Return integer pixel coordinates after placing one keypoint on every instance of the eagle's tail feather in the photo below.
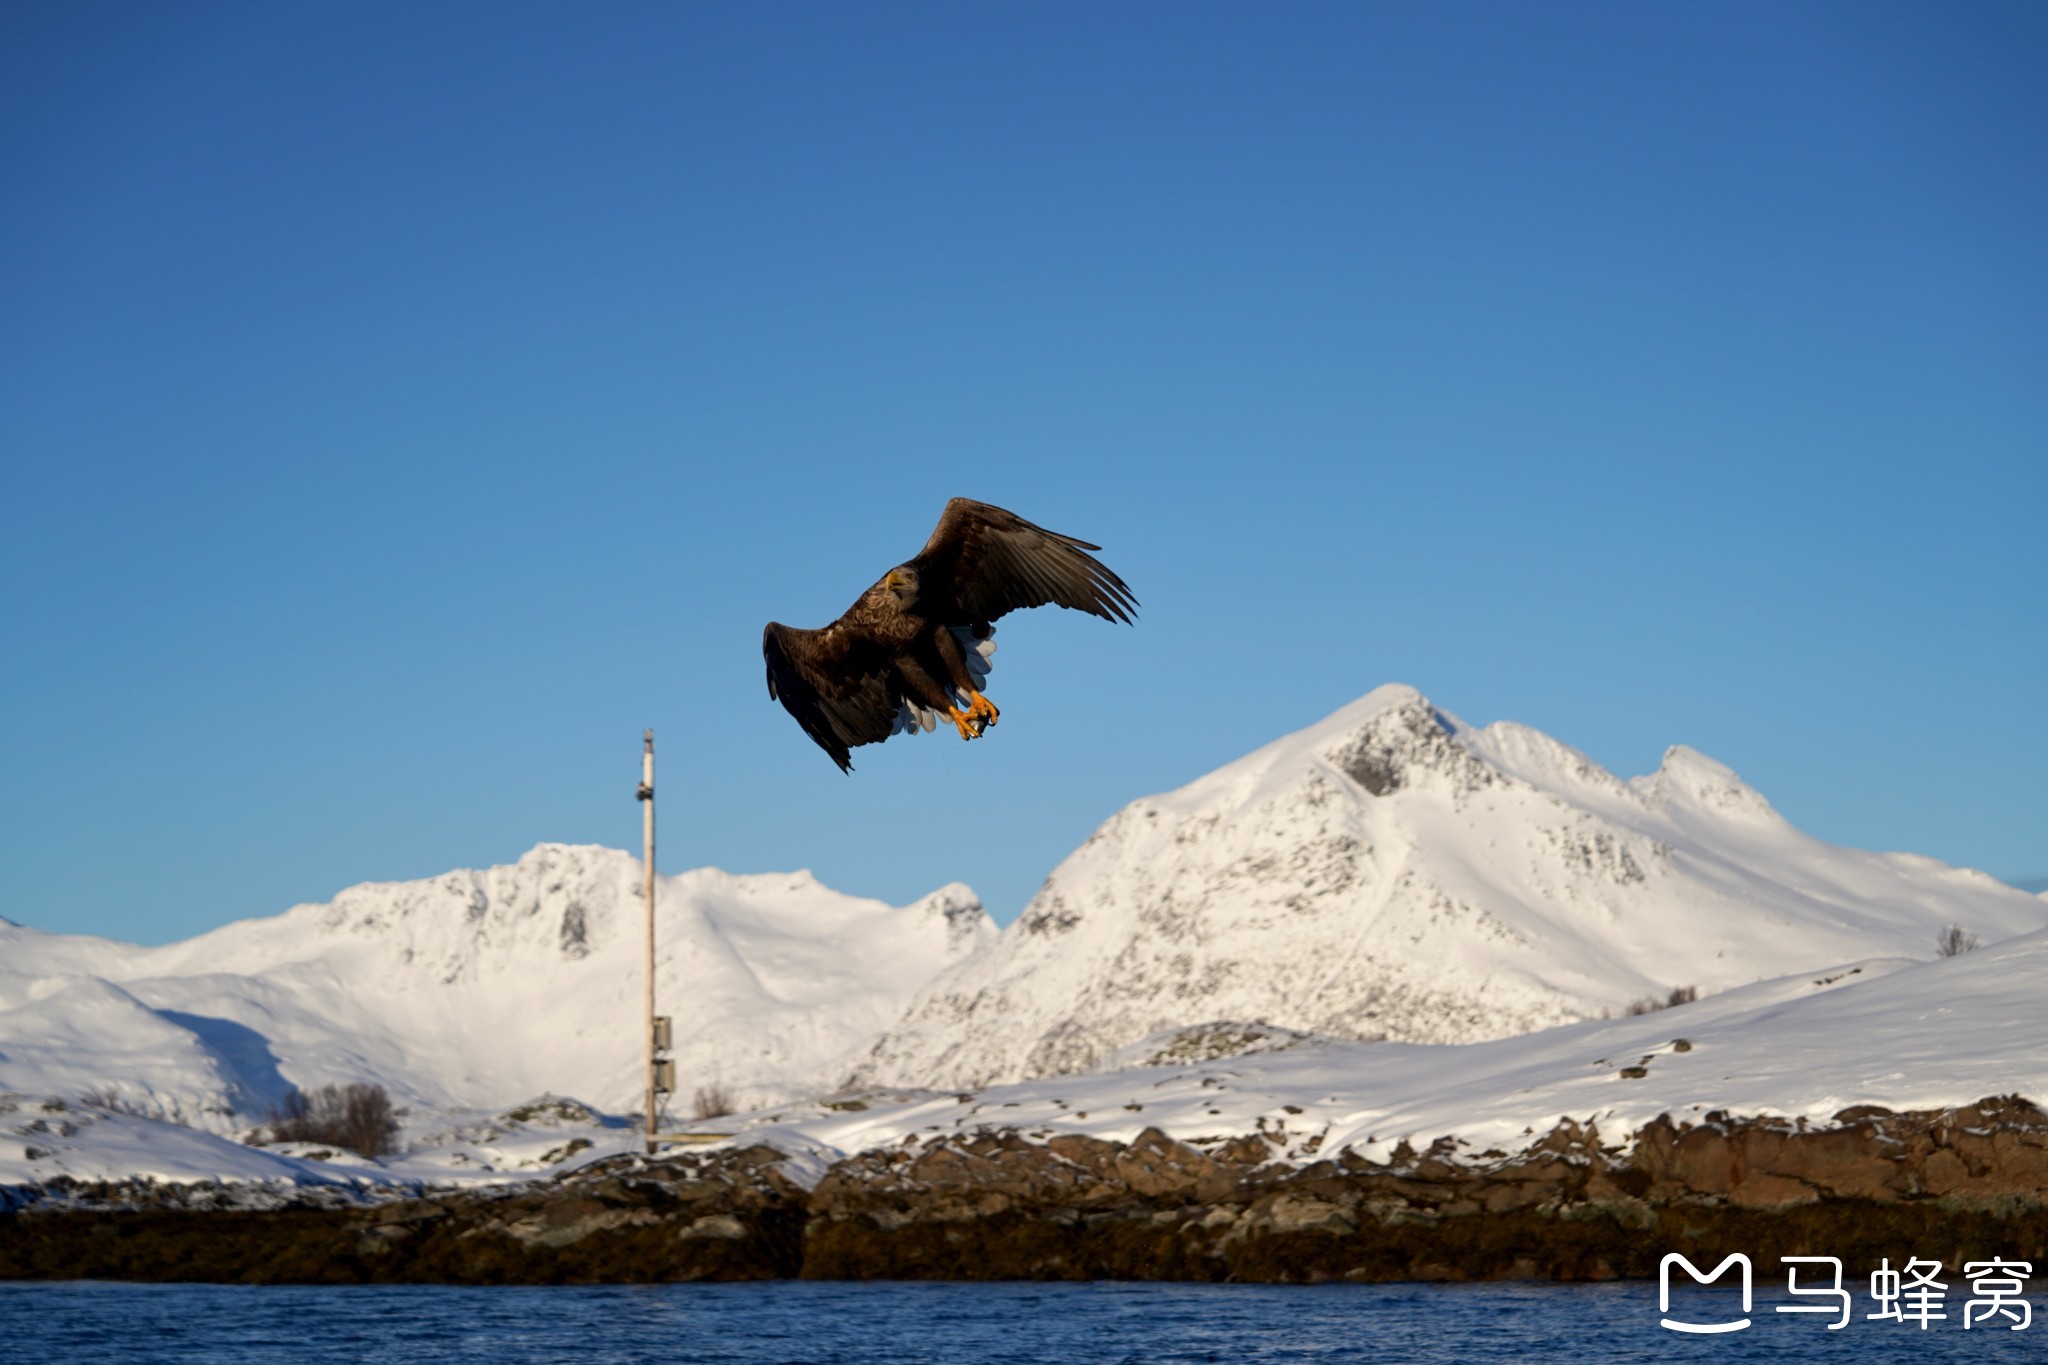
(911, 718)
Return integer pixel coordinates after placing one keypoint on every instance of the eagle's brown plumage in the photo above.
(916, 643)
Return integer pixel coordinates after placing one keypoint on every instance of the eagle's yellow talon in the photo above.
(968, 726)
(984, 710)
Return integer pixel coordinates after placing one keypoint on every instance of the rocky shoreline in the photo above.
(1953, 1185)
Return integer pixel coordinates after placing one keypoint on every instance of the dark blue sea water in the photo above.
(754, 1324)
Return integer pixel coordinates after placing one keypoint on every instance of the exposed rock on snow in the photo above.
(1391, 873)
(1206, 1043)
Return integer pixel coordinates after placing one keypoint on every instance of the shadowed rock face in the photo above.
(1991, 1152)
(1961, 1184)
(711, 1216)
(998, 1206)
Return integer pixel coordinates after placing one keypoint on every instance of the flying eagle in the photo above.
(917, 644)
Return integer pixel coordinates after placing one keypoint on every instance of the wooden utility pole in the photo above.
(647, 867)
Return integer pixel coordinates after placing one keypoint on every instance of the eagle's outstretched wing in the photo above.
(995, 561)
(835, 682)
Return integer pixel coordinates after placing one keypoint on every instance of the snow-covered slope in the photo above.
(477, 989)
(1904, 1035)
(1392, 873)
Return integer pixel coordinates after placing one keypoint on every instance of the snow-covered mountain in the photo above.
(1391, 873)
(478, 989)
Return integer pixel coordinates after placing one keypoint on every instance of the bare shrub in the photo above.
(1650, 1004)
(110, 1099)
(711, 1101)
(1954, 940)
(358, 1117)
(291, 1119)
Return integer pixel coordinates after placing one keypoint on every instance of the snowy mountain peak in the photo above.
(1688, 779)
(1409, 744)
(957, 907)
(1392, 872)
(1379, 735)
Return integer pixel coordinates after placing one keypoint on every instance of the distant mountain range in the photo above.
(479, 989)
(1389, 873)
(1393, 873)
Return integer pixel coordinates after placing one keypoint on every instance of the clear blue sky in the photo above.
(403, 405)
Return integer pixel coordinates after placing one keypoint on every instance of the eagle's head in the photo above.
(900, 583)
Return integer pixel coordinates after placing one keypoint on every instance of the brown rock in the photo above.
(1158, 1166)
